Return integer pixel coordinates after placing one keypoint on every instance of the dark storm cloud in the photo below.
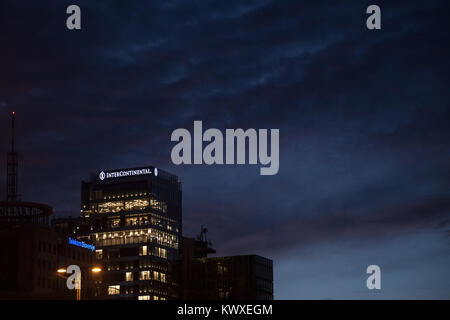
(363, 115)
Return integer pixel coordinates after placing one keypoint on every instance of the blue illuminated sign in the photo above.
(81, 244)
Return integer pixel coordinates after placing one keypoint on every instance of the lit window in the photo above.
(111, 206)
(143, 251)
(128, 276)
(112, 290)
(137, 204)
(158, 205)
(160, 252)
(144, 298)
(131, 221)
(144, 275)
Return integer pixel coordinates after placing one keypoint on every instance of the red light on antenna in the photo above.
(13, 113)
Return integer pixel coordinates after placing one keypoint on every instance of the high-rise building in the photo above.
(133, 217)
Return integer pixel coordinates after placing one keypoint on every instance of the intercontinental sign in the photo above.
(126, 173)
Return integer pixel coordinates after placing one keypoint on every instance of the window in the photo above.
(144, 298)
(129, 290)
(128, 276)
(160, 252)
(158, 205)
(112, 290)
(112, 206)
(138, 204)
(114, 223)
(131, 222)
(144, 275)
(143, 251)
(99, 254)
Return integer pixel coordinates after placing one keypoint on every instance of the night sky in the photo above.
(363, 116)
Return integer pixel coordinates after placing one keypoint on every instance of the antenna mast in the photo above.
(11, 169)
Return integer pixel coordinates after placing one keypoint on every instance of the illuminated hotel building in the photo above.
(133, 217)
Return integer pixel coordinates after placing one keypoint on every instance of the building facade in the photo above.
(133, 217)
(31, 254)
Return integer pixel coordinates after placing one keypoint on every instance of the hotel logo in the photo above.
(126, 173)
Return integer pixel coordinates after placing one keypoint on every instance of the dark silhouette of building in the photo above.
(234, 277)
(31, 255)
(29, 262)
(30, 251)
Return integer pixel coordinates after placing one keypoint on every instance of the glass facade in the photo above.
(135, 224)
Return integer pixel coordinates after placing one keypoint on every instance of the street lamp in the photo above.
(78, 279)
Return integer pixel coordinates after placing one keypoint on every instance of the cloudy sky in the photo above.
(363, 116)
